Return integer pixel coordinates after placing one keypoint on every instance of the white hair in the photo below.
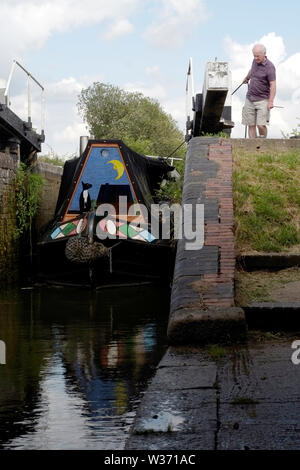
(261, 47)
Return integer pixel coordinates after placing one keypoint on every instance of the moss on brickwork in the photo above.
(28, 191)
(9, 246)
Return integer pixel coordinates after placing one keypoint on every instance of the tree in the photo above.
(112, 113)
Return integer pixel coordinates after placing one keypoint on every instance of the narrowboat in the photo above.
(108, 227)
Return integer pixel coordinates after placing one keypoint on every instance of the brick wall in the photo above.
(220, 233)
(202, 300)
(8, 249)
(8, 165)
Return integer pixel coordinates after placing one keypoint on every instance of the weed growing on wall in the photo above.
(28, 190)
(171, 191)
(28, 187)
(19, 205)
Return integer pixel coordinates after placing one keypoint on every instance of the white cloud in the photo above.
(288, 77)
(63, 123)
(288, 83)
(28, 24)
(119, 28)
(296, 97)
(66, 89)
(68, 137)
(64, 126)
(153, 72)
(156, 91)
(275, 47)
(176, 21)
(176, 107)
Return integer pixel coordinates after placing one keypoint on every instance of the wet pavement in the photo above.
(243, 397)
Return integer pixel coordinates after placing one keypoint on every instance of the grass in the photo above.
(52, 159)
(266, 201)
(258, 285)
(171, 192)
(217, 352)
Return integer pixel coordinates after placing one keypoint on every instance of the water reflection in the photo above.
(76, 362)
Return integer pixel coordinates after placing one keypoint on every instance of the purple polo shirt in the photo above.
(261, 76)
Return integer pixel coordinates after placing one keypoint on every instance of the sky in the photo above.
(145, 46)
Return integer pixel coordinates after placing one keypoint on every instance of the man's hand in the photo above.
(247, 78)
(272, 94)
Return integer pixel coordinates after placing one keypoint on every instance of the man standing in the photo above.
(261, 92)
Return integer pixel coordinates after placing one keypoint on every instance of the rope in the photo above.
(172, 153)
(79, 250)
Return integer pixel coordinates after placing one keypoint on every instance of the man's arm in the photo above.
(248, 76)
(272, 94)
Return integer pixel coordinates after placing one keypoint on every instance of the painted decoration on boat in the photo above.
(123, 229)
(75, 227)
(107, 193)
(104, 178)
(118, 229)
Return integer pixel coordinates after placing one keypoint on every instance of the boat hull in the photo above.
(126, 261)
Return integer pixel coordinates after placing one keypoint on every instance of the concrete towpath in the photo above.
(223, 398)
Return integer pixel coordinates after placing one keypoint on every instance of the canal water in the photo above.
(77, 363)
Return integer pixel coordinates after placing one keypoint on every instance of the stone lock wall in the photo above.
(202, 300)
(8, 245)
(52, 177)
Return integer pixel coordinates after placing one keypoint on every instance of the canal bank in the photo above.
(235, 388)
(203, 307)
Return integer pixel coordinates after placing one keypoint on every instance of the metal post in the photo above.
(29, 99)
(189, 95)
(83, 143)
(6, 96)
(43, 111)
(29, 77)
